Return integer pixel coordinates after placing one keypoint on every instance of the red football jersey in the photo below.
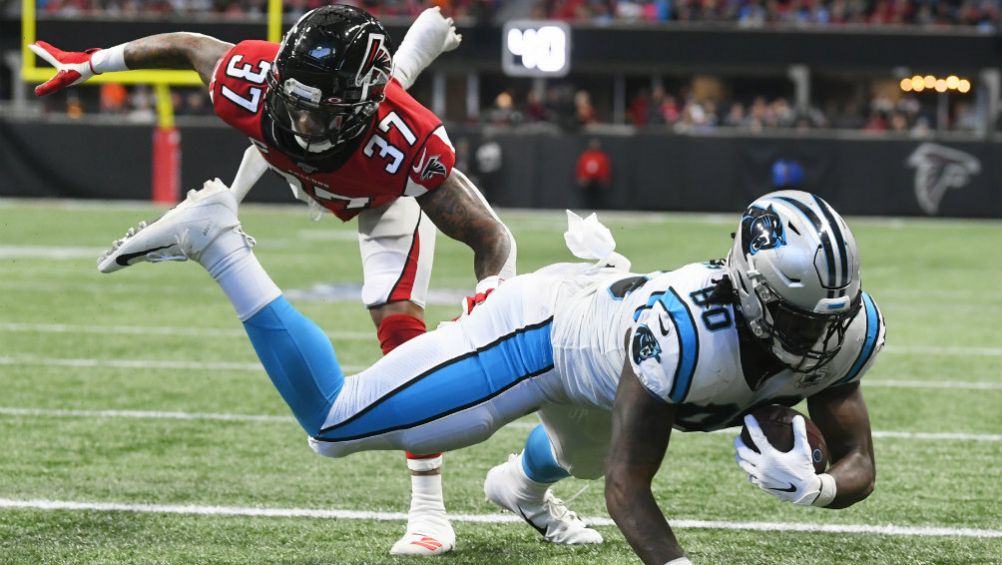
(405, 152)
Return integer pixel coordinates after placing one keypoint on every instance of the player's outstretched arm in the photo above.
(429, 36)
(641, 427)
(459, 210)
(841, 415)
(182, 50)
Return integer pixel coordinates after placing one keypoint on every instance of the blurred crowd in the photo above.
(239, 8)
(136, 104)
(681, 112)
(562, 105)
(983, 14)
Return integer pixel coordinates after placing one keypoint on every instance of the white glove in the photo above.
(429, 36)
(788, 475)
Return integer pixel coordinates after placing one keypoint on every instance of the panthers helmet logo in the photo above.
(645, 346)
(762, 229)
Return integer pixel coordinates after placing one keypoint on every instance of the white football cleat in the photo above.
(547, 515)
(427, 534)
(421, 545)
(180, 234)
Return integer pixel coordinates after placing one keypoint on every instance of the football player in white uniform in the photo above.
(611, 361)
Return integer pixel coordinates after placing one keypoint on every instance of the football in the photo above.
(777, 424)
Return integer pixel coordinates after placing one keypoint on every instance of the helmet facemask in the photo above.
(318, 125)
(805, 341)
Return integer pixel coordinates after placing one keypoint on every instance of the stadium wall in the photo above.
(651, 170)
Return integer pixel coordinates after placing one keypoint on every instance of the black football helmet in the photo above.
(327, 80)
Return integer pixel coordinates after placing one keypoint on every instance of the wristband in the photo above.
(109, 60)
(489, 283)
(828, 490)
(679, 561)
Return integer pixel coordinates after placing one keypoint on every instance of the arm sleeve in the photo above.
(664, 347)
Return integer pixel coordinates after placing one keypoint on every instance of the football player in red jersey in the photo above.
(328, 111)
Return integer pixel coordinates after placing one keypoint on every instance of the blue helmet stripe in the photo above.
(823, 234)
(869, 343)
(839, 239)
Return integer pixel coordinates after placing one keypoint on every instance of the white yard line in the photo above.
(49, 252)
(953, 385)
(16, 327)
(143, 364)
(226, 417)
(159, 330)
(889, 530)
(351, 369)
(934, 350)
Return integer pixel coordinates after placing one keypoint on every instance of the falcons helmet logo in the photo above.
(937, 170)
(377, 61)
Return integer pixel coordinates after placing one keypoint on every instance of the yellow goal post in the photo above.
(162, 80)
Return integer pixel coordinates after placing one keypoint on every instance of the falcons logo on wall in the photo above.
(938, 169)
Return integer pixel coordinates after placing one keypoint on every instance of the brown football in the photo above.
(777, 424)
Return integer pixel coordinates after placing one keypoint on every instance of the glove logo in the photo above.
(790, 488)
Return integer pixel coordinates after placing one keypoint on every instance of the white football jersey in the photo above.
(685, 350)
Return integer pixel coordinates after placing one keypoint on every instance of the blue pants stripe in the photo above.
(457, 384)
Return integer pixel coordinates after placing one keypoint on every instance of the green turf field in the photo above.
(136, 426)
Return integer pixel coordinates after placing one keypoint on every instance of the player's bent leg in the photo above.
(397, 246)
(522, 486)
(428, 530)
(297, 355)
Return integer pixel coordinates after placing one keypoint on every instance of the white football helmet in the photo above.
(795, 268)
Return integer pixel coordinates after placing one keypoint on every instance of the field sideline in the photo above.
(137, 426)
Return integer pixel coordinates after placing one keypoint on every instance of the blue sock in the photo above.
(538, 461)
(299, 359)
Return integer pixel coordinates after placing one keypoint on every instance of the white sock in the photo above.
(231, 262)
(528, 488)
(426, 493)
